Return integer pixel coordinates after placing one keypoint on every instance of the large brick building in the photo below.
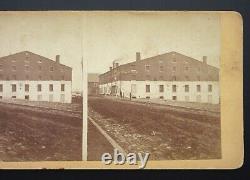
(171, 76)
(29, 76)
(93, 83)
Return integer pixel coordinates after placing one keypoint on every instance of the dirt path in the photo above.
(27, 134)
(166, 133)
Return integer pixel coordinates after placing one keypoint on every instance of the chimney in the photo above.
(138, 56)
(58, 59)
(110, 68)
(204, 58)
(116, 65)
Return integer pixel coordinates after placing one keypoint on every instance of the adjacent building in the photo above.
(169, 76)
(26, 75)
(93, 84)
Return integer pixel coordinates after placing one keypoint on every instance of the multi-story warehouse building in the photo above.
(29, 76)
(170, 76)
(93, 83)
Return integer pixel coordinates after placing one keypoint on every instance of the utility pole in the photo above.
(84, 110)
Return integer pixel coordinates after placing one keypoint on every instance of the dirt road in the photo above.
(164, 132)
(39, 134)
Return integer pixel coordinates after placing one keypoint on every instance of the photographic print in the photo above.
(40, 87)
(153, 84)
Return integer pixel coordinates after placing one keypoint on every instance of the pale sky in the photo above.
(119, 35)
(101, 37)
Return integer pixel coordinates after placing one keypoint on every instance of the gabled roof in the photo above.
(33, 54)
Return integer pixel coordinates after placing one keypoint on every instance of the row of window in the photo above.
(27, 77)
(174, 78)
(40, 97)
(187, 98)
(161, 68)
(27, 68)
(27, 87)
(174, 88)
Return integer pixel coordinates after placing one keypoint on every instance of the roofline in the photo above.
(36, 55)
(159, 56)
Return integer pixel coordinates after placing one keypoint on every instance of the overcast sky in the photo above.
(110, 36)
(101, 37)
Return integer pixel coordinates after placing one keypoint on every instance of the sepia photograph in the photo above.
(121, 89)
(40, 87)
(153, 85)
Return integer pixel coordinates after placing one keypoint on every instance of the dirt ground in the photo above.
(97, 144)
(37, 134)
(164, 132)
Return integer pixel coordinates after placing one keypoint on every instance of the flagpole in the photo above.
(85, 111)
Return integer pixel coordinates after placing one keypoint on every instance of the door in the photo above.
(133, 89)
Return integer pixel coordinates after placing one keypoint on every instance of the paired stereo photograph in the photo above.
(121, 89)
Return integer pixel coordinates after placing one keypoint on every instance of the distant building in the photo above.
(93, 84)
(170, 76)
(29, 76)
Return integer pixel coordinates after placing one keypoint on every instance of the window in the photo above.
(187, 78)
(186, 68)
(161, 88)
(51, 97)
(210, 88)
(27, 87)
(174, 78)
(13, 87)
(1, 97)
(51, 68)
(1, 88)
(51, 87)
(14, 77)
(39, 61)
(39, 87)
(174, 68)
(198, 98)
(13, 97)
(161, 68)
(174, 88)
(27, 77)
(1, 76)
(174, 98)
(147, 88)
(186, 88)
(62, 87)
(1, 67)
(133, 67)
(161, 97)
(174, 60)
(40, 68)
(161, 78)
(62, 98)
(26, 97)
(147, 67)
(13, 68)
(39, 97)
(198, 88)
(147, 77)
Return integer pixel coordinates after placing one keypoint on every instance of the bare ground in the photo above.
(37, 134)
(163, 131)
